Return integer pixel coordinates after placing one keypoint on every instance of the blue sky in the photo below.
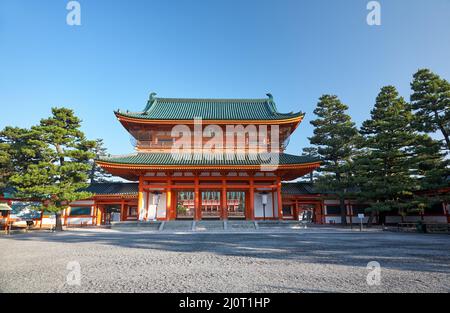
(297, 50)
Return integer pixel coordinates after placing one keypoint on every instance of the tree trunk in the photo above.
(58, 226)
(382, 216)
(343, 211)
(371, 217)
(443, 130)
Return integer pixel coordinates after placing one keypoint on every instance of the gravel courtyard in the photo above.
(311, 260)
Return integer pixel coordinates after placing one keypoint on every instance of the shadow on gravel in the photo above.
(396, 251)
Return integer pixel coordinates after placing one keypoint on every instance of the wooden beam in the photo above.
(206, 186)
(218, 178)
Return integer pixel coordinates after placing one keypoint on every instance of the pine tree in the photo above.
(5, 164)
(385, 171)
(20, 147)
(431, 166)
(335, 136)
(310, 152)
(96, 174)
(58, 175)
(431, 103)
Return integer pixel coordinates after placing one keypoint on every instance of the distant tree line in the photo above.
(393, 156)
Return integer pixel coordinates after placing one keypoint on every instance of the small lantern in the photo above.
(264, 203)
(264, 198)
(156, 198)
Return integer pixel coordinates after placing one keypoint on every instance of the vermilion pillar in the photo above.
(169, 204)
(251, 209)
(318, 212)
(140, 197)
(197, 207)
(280, 203)
(224, 200)
(123, 213)
(99, 215)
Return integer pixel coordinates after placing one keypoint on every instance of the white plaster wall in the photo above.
(393, 219)
(162, 205)
(259, 207)
(48, 220)
(416, 218)
(160, 209)
(78, 220)
(356, 220)
(435, 219)
(412, 218)
(332, 219)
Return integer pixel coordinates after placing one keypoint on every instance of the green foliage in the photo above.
(97, 174)
(431, 167)
(335, 137)
(181, 209)
(394, 158)
(384, 170)
(311, 152)
(50, 160)
(431, 103)
(397, 161)
(5, 164)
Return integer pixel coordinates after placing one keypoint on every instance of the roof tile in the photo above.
(210, 109)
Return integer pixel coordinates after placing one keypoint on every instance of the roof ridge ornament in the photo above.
(150, 102)
(271, 103)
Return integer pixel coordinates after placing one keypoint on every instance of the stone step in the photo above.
(205, 225)
(134, 225)
(279, 224)
(244, 225)
(178, 225)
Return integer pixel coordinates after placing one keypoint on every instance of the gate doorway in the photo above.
(112, 214)
(210, 203)
(236, 204)
(185, 207)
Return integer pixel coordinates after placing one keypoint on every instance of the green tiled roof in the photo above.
(113, 188)
(210, 109)
(157, 159)
(8, 192)
(298, 188)
(304, 188)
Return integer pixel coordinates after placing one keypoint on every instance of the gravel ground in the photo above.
(311, 260)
